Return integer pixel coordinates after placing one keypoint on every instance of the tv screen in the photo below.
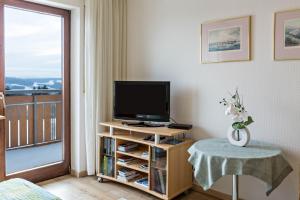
(142, 100)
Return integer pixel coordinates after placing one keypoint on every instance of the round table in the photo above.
(214, 158)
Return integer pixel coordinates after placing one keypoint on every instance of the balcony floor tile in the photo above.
(31, 157)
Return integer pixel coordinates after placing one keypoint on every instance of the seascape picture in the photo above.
(227, 39)
(292, 33)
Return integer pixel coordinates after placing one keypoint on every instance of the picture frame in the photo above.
(227, 40)
(287, 35)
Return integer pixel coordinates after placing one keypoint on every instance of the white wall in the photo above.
(163, 44)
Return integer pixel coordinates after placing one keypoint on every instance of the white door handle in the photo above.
(2, 97)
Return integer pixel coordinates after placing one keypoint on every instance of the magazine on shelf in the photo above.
(142, 182)
(144, 166)
(128, 178)
(126, 160)
(126, 172)
(127, 146)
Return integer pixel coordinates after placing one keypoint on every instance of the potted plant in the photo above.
(238, 134)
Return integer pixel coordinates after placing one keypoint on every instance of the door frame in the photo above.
(56, 169)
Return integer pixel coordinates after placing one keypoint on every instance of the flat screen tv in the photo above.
(142, 100)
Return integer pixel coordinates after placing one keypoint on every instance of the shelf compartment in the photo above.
(135, 153)
(135, 166)
(107, 156)
(108, 146)
(135, 137)
(106, 177)
(108, 166)
(158, 169)
(148, 130)
(141, 174)
(132, 182)
(158, 180)
(158, 158)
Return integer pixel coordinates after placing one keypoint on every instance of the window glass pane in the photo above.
(33, 49)
(33, 79)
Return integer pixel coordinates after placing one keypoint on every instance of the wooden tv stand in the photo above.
(169, 173)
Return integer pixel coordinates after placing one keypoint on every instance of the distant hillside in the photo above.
(13, 83)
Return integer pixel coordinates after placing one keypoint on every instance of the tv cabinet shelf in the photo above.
(134, 166)
(135, 154)
(164, 131)
(168, 172)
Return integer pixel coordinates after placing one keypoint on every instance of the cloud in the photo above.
(49, 51)
(293, 23)
(12, 30)
(33, 44)
(223, 35)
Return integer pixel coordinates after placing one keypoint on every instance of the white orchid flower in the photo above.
(237, 118)
(244, 116)
(235, 109)
(231, 110)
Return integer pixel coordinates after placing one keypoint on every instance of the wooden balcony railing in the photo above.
(34, 119)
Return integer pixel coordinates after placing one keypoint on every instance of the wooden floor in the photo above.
(70, 188)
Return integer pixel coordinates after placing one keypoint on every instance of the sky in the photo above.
(223, 35)
(293, 23)
(33, 46)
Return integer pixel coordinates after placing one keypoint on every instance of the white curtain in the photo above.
(105, 61)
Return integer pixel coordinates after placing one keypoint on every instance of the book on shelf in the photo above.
(159, 174)
(126, 160)
(129, 146)
(160, 163)
(144, 166)
(127, 179)
(108, 146)
(104, 167)
(142, 182)
(108, 166)
(158, 180)
(127, 174)
(162, 180)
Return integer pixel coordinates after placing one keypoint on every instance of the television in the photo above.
(142, 100)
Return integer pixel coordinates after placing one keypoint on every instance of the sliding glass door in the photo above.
(35, 81)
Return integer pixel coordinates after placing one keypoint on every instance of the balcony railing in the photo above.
(33, 117)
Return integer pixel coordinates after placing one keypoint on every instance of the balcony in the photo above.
(33, 129)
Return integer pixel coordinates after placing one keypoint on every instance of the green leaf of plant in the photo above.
(249, 121)
(238, 125)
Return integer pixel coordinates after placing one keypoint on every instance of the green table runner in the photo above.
(214, 158)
